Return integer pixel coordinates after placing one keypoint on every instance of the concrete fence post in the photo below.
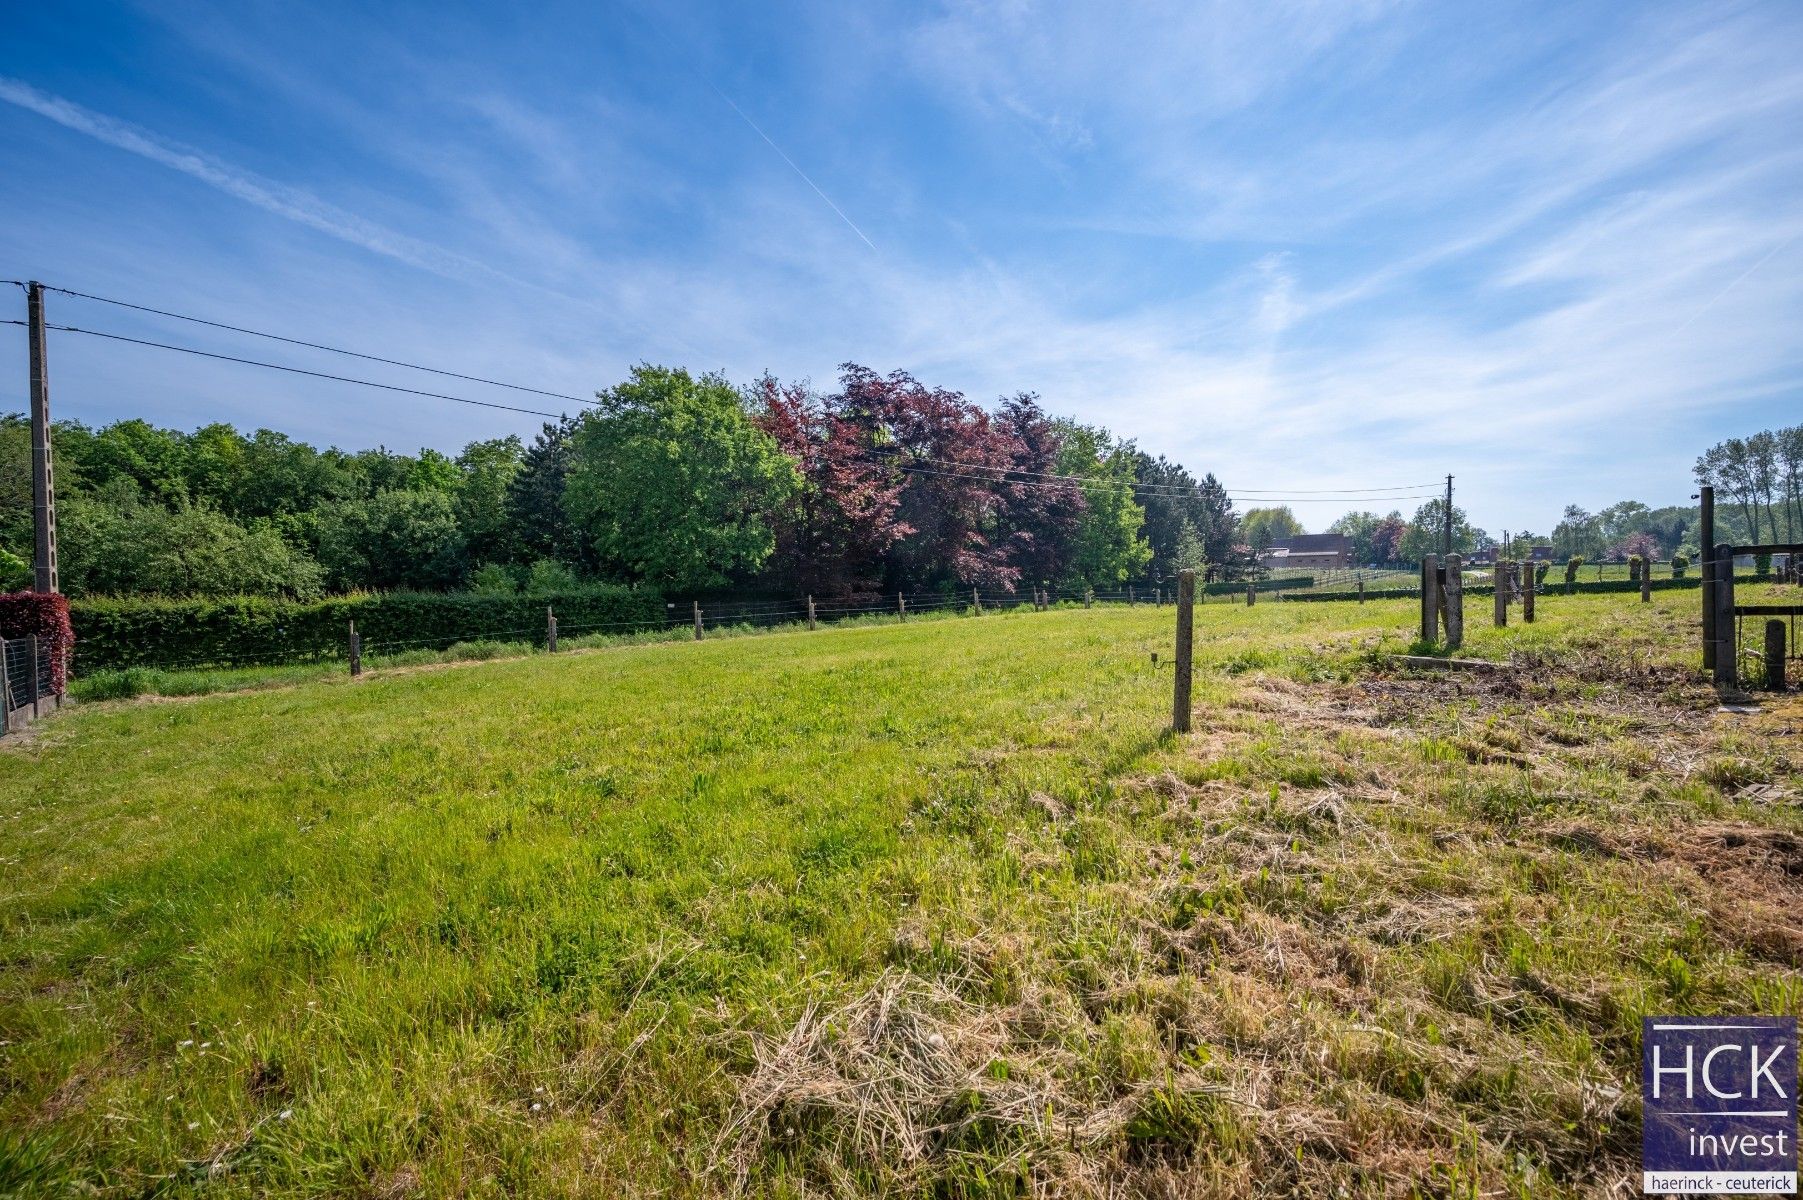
(356, 650)
(901, 607)
(810, 612)
(1452, 601)
(976, 602)
(697, 610)
(1646, 582)
(1500, 575)
(37, 691)
(1528, 589)
(1430, 598)
(1251, 593)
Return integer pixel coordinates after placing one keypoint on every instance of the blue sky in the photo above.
(1551, 248)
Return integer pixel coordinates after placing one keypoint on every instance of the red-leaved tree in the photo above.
(1386, 539)
(832, 534)
(956, 465)
(1037, 516)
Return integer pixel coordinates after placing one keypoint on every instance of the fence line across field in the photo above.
(1511, 583)
(678, 615)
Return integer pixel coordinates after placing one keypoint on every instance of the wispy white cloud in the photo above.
(292, 203)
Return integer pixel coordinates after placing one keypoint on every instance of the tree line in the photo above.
(1759, 499)
(672, 481)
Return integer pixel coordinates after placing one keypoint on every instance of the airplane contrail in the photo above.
(792, 166)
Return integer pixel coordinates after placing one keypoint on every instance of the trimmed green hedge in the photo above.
(1237, 587)
(254, 631)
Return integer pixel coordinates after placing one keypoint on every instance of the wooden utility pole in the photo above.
(43, 473)
(1186, 625)
(1706, 528)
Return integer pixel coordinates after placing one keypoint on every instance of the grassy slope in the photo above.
(892, 907)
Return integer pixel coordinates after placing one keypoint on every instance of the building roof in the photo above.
(1313, 543)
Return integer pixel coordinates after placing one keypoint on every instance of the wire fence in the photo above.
(713, 615)
(681, 618)
(27, 681)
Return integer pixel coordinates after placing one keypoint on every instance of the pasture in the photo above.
(934, 908)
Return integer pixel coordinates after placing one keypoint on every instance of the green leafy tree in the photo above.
(1191, 553)
(541, 525)
(548, 577)
(1108, 546)
(283, 477)
(1173, 497)
(16, 533)
(1261, 527)
(1361, 531)
(672, 481)
(393, 540)
(15, 572)
(485, 475)
(1426, 533)
(433, 471)
(493, 579)
(115, 542)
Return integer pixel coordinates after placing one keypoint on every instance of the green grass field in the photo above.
(925, 909)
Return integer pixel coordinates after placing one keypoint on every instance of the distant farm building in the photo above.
(1314, 551)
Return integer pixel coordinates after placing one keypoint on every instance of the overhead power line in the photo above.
(276, 337)
(251, 362)
(1002, 476)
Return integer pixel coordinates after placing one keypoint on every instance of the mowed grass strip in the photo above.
(933, 907)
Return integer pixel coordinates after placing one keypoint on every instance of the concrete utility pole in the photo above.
(1446, 537)
(43, 479)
